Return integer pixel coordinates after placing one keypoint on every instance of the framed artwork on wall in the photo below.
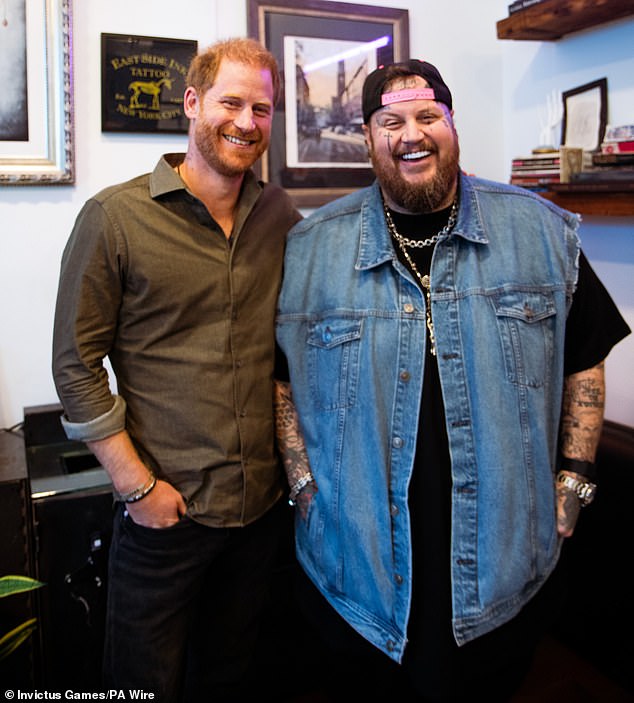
(142, 83)
(324, 51)
(585, 115)
(36, 100)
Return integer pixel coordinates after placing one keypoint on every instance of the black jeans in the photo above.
(489, 669)
(183, 607)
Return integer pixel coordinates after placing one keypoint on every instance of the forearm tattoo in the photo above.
(582, 413)
(568, 507)
(288, 434)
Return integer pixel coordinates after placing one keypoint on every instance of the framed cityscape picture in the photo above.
(324, 51)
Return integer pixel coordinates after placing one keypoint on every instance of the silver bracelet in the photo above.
(297, 487)
(138, 492)
(144, 492)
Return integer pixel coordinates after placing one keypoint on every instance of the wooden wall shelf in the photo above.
(552, 19)
(594, 200)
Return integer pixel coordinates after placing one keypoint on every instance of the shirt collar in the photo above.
(375, 246)
(469, 224)
(164, 179)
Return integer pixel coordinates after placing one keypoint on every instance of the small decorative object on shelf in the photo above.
(571, 163)
(550, 121)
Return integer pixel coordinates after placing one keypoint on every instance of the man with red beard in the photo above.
(445, 340)
(174, 277)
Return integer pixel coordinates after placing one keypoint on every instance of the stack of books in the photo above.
(618, 140)
(615, 162)
(537, 171)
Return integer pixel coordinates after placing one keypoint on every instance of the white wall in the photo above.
(531, 71)
(499, 88)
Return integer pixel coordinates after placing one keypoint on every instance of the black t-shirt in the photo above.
(434, 661)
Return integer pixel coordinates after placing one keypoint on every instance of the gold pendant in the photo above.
(425, 280)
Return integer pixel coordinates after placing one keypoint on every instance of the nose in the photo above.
(244, 121)
(413, 131)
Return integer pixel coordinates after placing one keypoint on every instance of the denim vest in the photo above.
(351, 321)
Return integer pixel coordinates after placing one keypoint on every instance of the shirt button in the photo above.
(393, 510)
(390, 645)
(408, 307)
(405, 375)
(399, 579)
(397, 442)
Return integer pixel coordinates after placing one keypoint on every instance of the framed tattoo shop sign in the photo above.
(142, 83)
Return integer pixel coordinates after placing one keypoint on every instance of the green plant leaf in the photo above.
(17, 584)
(12, 640)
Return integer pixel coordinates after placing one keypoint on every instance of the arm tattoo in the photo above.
(568, 510)
(290, 442)
(582, 413)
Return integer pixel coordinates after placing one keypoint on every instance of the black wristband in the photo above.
(585, 468)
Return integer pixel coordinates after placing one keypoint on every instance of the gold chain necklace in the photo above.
(404, 242)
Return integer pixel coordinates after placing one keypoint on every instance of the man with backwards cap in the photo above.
(445, 340)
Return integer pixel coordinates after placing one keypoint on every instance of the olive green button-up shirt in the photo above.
(186, 318)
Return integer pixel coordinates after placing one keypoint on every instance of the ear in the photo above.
(366, 135)
(190, 103)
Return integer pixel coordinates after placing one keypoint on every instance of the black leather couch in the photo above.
(596, 618)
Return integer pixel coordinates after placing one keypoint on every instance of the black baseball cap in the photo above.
(375, 83)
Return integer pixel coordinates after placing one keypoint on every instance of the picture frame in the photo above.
(585, 115)
(317, 152)
(143, 82)
(36, 103)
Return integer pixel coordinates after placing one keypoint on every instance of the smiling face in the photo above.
(231, 122)
(414, 150)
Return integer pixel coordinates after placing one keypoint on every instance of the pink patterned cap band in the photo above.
(399, 96)
(374, 98)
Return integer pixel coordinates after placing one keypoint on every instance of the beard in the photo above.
(209, 141)
(417, 197)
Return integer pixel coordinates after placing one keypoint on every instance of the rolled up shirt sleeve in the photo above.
(105, 425)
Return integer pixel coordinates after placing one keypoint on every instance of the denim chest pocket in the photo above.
(333, 362)
(526, 322)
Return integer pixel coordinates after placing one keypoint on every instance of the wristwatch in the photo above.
(584, 489)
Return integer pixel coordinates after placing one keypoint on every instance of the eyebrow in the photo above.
(434, 109)
(264, 102)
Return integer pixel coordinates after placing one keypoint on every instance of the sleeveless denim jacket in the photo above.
(351, 321)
